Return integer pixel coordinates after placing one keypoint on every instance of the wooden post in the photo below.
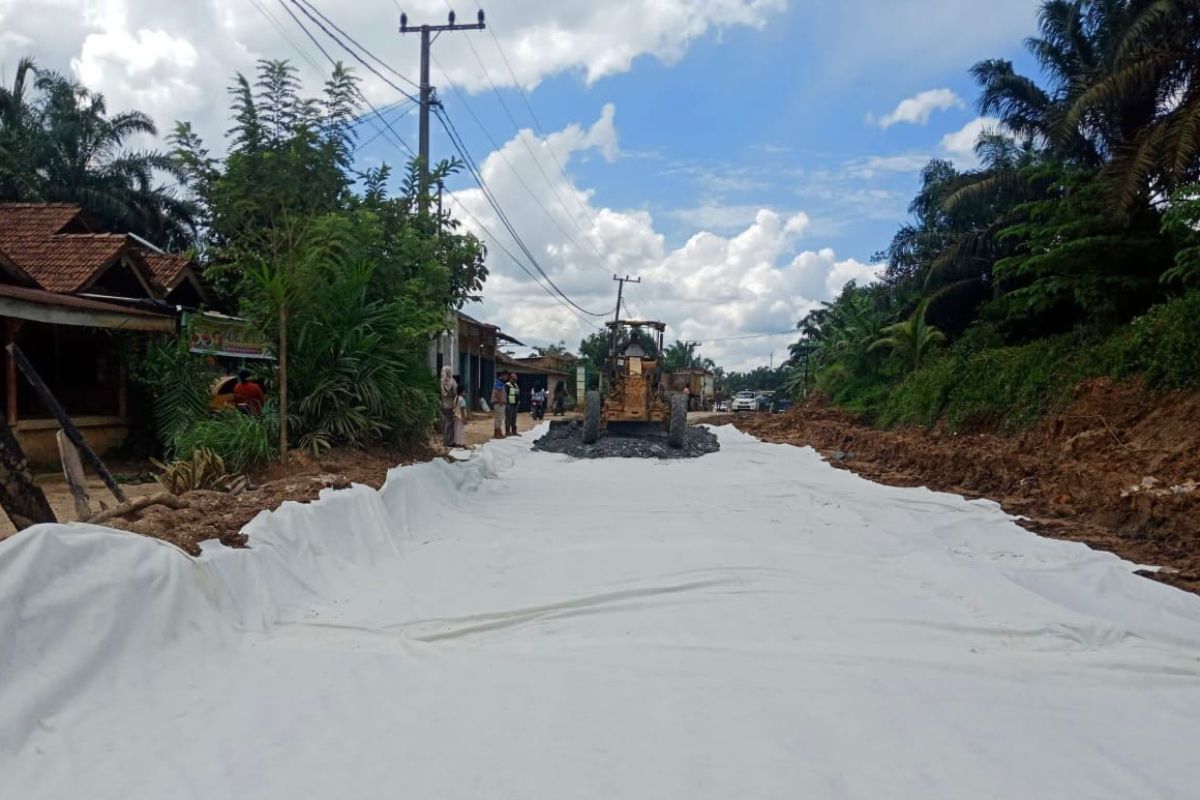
(10, 372)
(68, 427)
(73, 472)
(283, 398)
(22, 499)
(122, 391)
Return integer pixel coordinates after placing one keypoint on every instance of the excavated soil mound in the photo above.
(1118, 469)
(219, 515)
(567, 438)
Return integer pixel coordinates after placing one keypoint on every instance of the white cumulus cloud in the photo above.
(755, 279)
(173, 59)
(959, 145)
(916, 110)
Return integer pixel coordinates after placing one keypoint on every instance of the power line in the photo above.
(792, 332)
(536, 161)
(451, 131)
(382, 130)
(316, 67)
(473, 169)
(588, 212)
(398, 138)
(517, 261)
(305, 7)
(275, 23)
(504, 157)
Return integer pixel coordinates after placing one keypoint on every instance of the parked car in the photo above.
(745, 401)
(780, 403)
(762, 402)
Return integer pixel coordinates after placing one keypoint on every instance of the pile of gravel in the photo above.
(567, 437)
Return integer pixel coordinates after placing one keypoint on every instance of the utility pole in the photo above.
(427, 97)
(612, 348)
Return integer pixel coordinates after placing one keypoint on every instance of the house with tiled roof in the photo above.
(67, 287)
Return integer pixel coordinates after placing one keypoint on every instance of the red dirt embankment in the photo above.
(221, 515)
(1118, 469)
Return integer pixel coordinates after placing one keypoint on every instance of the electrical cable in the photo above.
(397, 137)
(451, 131)
(476, 174)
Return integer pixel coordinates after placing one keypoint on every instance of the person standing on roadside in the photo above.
(514, 403)
(449, 404)
(560, 399)
(500, 405)
(460, 418)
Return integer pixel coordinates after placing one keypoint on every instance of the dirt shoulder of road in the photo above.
(221, 515)
(1118, 469)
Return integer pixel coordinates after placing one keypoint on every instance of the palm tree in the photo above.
(680, 355)
(84, 159)
(18, 133)
(1156, 73)
(62, 146)
(1080, 45)
(912, 340)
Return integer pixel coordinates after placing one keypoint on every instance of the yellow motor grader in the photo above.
(638, 395)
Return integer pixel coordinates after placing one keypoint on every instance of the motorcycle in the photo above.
(537, 409)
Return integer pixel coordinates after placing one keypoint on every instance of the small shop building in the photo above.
(471, 347)
(74, 297)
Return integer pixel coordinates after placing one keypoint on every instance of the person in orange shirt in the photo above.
(248, 394)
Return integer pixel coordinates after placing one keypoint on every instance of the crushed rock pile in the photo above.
(567, 438)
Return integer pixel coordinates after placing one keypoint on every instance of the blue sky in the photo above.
(729, 151)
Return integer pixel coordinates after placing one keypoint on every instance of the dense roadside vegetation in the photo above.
(1072, 251)
(58, 143)
(347, 281)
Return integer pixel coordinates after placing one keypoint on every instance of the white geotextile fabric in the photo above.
(751, 624)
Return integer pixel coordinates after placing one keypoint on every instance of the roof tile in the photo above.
(57, 262)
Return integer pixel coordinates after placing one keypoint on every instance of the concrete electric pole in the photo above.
(612, 348)
(427, 98)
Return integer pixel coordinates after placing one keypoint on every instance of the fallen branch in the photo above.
(161, 499)
(1100, 417)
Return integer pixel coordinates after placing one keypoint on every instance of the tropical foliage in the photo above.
(58, 143)
(348, 282)
(1060, 255)
(684, 355)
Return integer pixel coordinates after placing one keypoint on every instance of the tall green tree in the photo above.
(912, 340)
(348, 281)
(681, 355)
(58, 143)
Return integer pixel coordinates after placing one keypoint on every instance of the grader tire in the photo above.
(591, 418)
(678, 426)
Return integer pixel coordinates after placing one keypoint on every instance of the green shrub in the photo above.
(1013, 387)
(204, 470)
(922, 395)
(242, 441)
(177, 383)
(1165, 344)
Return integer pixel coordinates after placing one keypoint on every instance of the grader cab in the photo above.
(638, 397)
